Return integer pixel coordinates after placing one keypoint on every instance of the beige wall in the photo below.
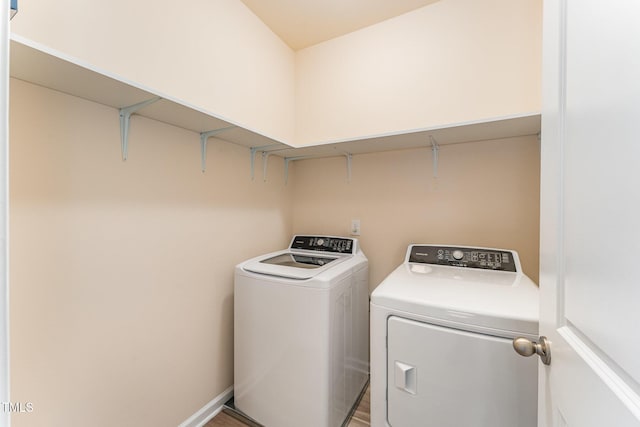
(452, 61)
(203, 52)
(122, 272)
(486, 194)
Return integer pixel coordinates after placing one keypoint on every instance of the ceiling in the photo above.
(303, 23)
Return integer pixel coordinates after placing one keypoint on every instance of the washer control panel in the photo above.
(324, 244)
(482, 258)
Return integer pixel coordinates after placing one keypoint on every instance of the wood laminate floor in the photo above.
(224, 420)
(361, 417)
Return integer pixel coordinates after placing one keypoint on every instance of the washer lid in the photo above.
(293, 265)
(498, 300)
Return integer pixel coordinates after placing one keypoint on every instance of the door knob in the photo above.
(525, 347)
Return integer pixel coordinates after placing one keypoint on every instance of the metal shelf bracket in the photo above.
(434, 155)
(265, 162)
(286, 165)
(125, 118)
(349, 157)
(204, 136)
(254, 150)
(286, 168)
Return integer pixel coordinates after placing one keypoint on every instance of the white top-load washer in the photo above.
(301, 333)
(442, 326)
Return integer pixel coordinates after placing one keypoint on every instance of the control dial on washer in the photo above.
(320, 242)
(458, 254)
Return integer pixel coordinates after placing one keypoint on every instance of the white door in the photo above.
(590, 214)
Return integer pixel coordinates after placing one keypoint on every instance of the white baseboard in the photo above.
(208, 411)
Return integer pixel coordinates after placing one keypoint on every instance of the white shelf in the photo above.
(40, 65)
(496, 128)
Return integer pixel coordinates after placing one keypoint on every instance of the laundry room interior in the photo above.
(122, 271)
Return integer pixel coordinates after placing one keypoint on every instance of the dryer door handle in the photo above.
(406, 377)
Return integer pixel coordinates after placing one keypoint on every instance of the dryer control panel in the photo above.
(455, 256)
(340, 245)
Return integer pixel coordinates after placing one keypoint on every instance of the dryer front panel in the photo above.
(442, 377)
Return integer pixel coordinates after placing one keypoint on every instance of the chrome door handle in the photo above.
(525, 347)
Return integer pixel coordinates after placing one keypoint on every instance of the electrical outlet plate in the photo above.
(355, 227)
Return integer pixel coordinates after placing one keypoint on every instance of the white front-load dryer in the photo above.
(442, 326)
(301, 333)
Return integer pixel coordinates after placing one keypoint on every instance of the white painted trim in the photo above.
(5, 416)
(208, 411)
(612, 380)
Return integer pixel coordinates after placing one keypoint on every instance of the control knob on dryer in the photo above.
(458, 254)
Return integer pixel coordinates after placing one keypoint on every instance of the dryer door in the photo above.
(441, 377)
